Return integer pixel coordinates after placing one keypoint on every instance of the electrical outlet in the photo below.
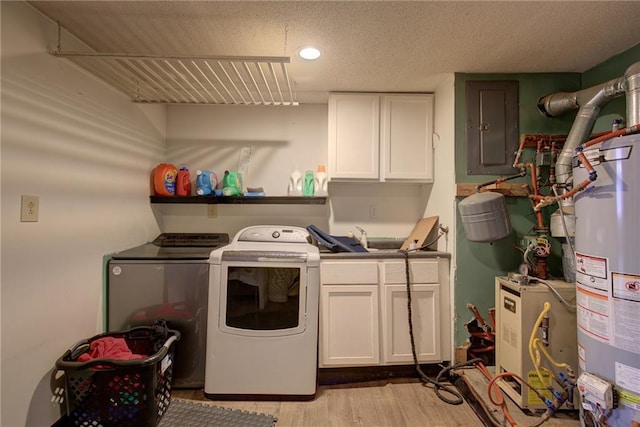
(373, 211)
(29, 206)
(212, 211)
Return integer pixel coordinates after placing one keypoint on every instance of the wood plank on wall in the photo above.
(513, 190)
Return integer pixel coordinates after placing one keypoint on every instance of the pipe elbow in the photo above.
(558, 103)
(632, 81)
(542, 106)
(632, 70)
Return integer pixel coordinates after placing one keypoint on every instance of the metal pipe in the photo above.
(589, 102)
(632, 76)
(522, 173)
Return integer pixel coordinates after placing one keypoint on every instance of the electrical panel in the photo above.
(517, 309)
(491, 126)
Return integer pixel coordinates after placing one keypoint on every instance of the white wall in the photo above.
(86, 151)
(442, 196)
(441, 200)
(281, 138)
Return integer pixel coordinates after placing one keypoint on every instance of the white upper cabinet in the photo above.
(354, 135)
(380, 137)
(406, 146)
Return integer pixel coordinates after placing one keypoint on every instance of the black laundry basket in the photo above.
(123, 393)
(188, 321)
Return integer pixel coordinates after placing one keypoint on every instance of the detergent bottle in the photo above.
(295, 183)
(321, 184)
(206, 182)
(164, 179)
(231, 183)
(308, 188)
(183, 185)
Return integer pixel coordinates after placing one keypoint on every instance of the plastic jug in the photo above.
(183, 185)
(295, 183)
(206, 182)
(321, 182)
(164, 179)
(231, 183)
(308, 187)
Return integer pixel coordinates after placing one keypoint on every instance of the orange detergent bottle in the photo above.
(164, 179)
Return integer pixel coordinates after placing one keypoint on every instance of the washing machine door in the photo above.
(263, 294)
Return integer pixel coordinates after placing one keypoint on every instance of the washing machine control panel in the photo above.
(273, 234)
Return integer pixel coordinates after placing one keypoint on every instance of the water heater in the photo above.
(607, 249)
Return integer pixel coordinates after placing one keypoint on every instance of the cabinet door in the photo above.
(354, 134)
(396, 343)
(349, 325)
(406, 138)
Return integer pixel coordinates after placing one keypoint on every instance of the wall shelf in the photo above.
(239, 200)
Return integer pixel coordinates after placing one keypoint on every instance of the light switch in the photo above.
(29, 208)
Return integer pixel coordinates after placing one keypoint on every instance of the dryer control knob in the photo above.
(275, 234)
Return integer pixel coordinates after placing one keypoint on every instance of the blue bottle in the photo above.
(206, 182)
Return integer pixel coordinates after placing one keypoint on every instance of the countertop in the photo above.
(383, 253)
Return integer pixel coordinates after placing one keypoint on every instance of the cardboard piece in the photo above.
(421, 231)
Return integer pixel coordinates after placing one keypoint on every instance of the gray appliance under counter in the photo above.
(166, 279)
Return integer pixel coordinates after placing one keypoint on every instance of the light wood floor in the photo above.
(397, 403)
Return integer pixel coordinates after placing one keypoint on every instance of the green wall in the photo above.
(477, 264)
(611, 69)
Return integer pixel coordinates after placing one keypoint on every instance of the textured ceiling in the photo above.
(400, 46)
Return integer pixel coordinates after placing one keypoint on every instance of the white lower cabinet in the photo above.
(396, 341)
(349, 311)
(364, 312)
(350, 331)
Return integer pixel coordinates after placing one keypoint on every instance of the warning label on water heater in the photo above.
(607, 303)
(591, 271)
(626, 303)
(593, 313)
(626, 286)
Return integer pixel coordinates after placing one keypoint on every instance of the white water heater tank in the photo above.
(607, 245)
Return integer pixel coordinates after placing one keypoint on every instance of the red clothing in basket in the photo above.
(109, 348)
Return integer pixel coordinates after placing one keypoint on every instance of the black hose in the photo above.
(438, 386)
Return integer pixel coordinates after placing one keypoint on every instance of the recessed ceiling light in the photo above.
(309, 52)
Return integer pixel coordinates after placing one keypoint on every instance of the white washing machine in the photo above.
(262, 335)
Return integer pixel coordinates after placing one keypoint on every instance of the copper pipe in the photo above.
(500, 399)
(516, 161)
(534, 181)
(501, 180)
(609, 135)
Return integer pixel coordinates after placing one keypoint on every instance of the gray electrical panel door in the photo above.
(491, 126)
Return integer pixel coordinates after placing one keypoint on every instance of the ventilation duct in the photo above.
(589, 102)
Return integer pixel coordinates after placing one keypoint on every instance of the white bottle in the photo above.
(321, 182)
(295, 183)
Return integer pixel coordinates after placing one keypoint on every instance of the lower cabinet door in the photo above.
(349, 333)
(425, 308)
